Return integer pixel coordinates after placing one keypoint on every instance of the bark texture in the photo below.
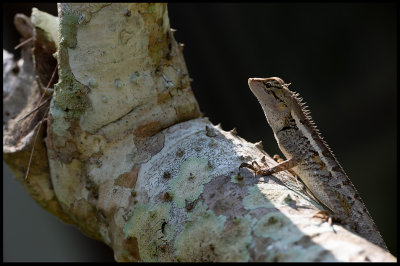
(128, 158)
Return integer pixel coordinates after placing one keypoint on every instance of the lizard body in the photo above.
(309, 156)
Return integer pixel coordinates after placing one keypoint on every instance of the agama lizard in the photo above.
(309, 156)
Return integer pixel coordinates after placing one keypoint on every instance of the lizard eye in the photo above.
(268, 84)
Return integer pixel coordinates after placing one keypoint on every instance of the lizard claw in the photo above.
(326, 217)
(256, 168)
(247, 166)
(323, 215)
(250, 166)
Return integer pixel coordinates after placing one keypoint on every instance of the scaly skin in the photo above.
(309, 156)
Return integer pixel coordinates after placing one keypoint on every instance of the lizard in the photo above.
(310, 157)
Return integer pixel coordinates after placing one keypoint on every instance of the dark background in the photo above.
(340, 57)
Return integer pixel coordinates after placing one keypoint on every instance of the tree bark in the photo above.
(128, 158)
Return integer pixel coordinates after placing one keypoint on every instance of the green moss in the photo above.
(189, 183)
(151, 8)
(149, 225)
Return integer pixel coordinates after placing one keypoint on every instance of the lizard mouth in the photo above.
(255, 80)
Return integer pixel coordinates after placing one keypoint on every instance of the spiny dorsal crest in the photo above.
(310, 122)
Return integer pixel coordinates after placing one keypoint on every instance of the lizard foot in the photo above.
(323, 215)
(257, 168)
(327, 217)
(333, 218)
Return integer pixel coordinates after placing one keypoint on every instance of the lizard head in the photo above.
(275, 98)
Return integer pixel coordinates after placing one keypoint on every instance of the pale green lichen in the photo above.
(198, 210)
(60, 125)
(149, 225)
(68, 29)
(256, 199)
(234, 243)
(270, 224)
(170, 232)
(268, 196)
(198, 240)
(207, 238)
(280, 229)
(69, 94)
(189, 183)
(236, 178)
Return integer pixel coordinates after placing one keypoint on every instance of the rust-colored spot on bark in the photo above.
(128, 179)
(163, 97)
(147, 129)
(131, 250)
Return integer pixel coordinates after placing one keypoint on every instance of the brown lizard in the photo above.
(309, 156)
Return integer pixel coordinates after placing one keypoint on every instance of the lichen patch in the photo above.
(188, 185)
(270, 223)
(257, 196)
(148, 225)
(198, 241)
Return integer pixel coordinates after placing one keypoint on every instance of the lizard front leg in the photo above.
(285, 165)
